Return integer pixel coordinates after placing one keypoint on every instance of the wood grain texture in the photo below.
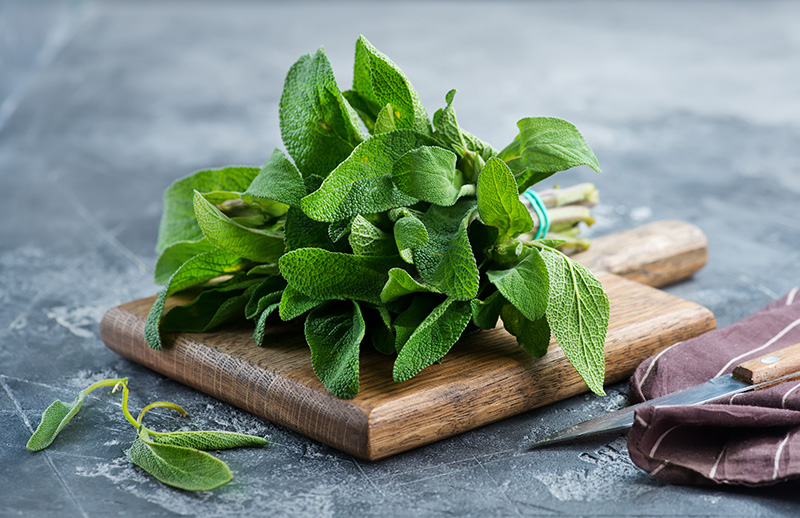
(486, 376)
(657, 254)
(769, 366)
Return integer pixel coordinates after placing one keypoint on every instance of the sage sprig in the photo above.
(385, 226)
(177, 459)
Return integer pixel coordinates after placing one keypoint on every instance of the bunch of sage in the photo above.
(178, 459)
(384, 224)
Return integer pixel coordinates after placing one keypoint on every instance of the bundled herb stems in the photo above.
(385, 227)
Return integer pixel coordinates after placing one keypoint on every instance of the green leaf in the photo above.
(294, 303)
(208, 440)
(327, 275)
(525, 285)
(211, 309)
(429, 173)
(318, 126)
(368, 240)
(383, 338)
(432, 339)
(380, 82)
(278, 180)
(197, 270)
(264, 294)
(54, 419)
(367, 111)
(401, 283)
(338, 229)
(177, 221)
(409, 233)
(264, 269)
(261, 325)
(385, 121)
(451, 136)
(577, 310)
(544, 147)
(176, 254)
(334, 333)
(303, 232)
(226, 234)
(362, 184)
(409, 320)
(446, 260)
(177, 466)
(498, 201)
(486, 312)
(533, 336)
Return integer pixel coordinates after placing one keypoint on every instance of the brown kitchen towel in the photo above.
(750, 439)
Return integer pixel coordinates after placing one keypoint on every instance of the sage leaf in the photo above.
(198, 269)
(294, 303)
(401, 283)
(486, 312)
(448, 133)
(378, 80)
(362, 184)
(178, 222)
(334, 333)
(278, 180)
(577, 311)
(367, 110)
(383, 338)
(432, 339)
(226, 234)
(429, 173)
(525, 285)
(533, 336)
(544, 146)
(318, 126)
(262, 295)
(498, 202)
(207, 312)
(338, 229)
(410, 319)
(178, 466)
(368, 240)
(446, 260)
(336, 275)
(176, 254)
(54, 419)
(207, 440)
(409, 233)
(300, 231)
(385, 121)
(261, 324)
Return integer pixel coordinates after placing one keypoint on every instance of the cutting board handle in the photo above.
(657, 254)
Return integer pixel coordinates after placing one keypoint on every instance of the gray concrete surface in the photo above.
(691, 107)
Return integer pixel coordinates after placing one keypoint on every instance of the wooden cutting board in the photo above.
(486, 376)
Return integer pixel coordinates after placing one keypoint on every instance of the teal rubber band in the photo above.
(541, 213)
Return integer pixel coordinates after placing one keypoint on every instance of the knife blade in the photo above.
(764, 371)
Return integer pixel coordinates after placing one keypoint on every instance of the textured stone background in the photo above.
(692, 109)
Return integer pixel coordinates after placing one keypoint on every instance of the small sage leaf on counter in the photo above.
(54, 419)
(208, 440)
(179, 466)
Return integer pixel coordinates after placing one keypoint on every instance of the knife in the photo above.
(764, 371)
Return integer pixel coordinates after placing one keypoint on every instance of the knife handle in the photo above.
(770, 366)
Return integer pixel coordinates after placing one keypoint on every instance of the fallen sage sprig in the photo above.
(177, 459)
(385, 226)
